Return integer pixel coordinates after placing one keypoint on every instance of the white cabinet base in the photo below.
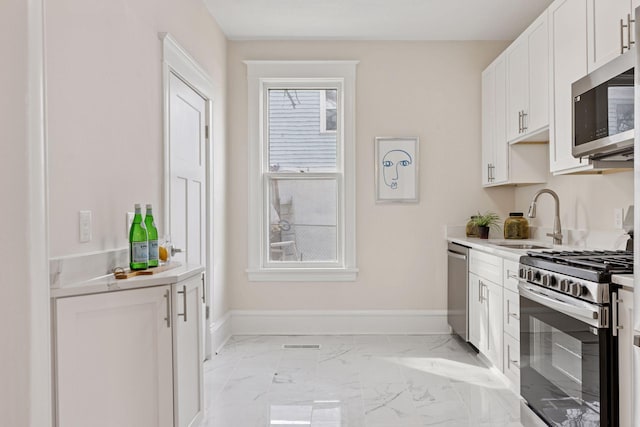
(113, 357)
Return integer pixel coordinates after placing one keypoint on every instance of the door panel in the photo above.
(187, 162)
(113, 358)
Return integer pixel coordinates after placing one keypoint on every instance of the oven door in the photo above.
(567, 359)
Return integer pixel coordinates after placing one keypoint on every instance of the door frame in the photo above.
(178, 61)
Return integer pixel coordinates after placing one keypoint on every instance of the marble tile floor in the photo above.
(354, 381)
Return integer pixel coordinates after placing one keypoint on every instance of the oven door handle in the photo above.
(579, 310)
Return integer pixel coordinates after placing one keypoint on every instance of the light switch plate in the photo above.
(128, 224)
(85, 226)
(618, 215)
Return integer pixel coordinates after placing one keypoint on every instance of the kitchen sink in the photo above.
(521, 246)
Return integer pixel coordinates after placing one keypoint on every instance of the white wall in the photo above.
(104, 104)
(14, 369)
(586, 201)
(425, 89)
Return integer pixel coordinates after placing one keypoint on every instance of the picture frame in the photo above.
(396, 169)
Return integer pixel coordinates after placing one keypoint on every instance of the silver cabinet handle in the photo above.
(184, 302)
(524, 122)
(519, 121)
(167, 295)
(614, 314)
(480, 291)
(622, 46)
(629, 22)
(204, 290)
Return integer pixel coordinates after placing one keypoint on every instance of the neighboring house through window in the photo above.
(302, 188)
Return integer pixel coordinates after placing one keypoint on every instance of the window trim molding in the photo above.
(260, 73)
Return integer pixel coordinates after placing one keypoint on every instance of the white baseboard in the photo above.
(221, 332)
(338, 322)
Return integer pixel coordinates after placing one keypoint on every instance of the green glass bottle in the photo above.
(152, 233)
(138, 243)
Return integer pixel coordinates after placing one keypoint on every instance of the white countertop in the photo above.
(492, 246)
(109, 283)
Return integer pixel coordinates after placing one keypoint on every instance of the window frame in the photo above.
(265, 75)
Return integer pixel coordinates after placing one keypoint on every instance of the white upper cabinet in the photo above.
(608, 30)
(568, 40)
(528, 84)
(494, 141)
(503, 164)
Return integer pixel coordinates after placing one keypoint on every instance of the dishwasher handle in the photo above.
(456, 255)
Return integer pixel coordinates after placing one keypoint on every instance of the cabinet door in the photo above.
(605, 34)
(500, 145)
(494, 331)
(537, 114)
(512, 361)
(518, 84)
(567, 20)
(625, 354)
(488, 122)
(113, 359)
(511, 318)
(475, 310)
(188, 351)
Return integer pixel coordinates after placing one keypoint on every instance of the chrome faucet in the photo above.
(557, 229)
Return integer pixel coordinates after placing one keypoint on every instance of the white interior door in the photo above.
(187, 165)
(187, 201)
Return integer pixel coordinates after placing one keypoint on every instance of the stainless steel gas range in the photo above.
(568, 335)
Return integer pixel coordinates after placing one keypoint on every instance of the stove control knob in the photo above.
(576, 289)
(564, 285)
(546, 280)
(523, 273)
(529, 275)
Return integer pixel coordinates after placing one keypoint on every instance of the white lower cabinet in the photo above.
(625, 355)
(512, 361)
(485, 318)
(188, 351)
(130, 358)
(494, 311)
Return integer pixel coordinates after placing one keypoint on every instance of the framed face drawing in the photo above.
(396, 169)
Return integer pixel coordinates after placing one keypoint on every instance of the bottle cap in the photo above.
(148, 206)
(137, 206)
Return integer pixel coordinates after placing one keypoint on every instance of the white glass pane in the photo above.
(296, 141)
(303, 220)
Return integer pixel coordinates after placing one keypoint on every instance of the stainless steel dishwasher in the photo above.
(457, 285)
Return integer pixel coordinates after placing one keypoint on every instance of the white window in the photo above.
(302, 170)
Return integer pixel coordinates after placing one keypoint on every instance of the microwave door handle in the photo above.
(622, 46)
(565, 305)
(629, 22)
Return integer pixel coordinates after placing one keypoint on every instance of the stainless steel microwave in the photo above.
(603, 108)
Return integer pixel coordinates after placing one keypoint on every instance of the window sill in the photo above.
(303, 275)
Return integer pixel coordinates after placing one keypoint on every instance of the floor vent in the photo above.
(298, 346)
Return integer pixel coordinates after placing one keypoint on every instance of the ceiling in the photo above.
(374, 19)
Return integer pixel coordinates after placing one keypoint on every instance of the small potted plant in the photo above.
(486, 221)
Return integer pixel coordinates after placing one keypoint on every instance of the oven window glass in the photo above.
(561, 364)
(557, 356)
